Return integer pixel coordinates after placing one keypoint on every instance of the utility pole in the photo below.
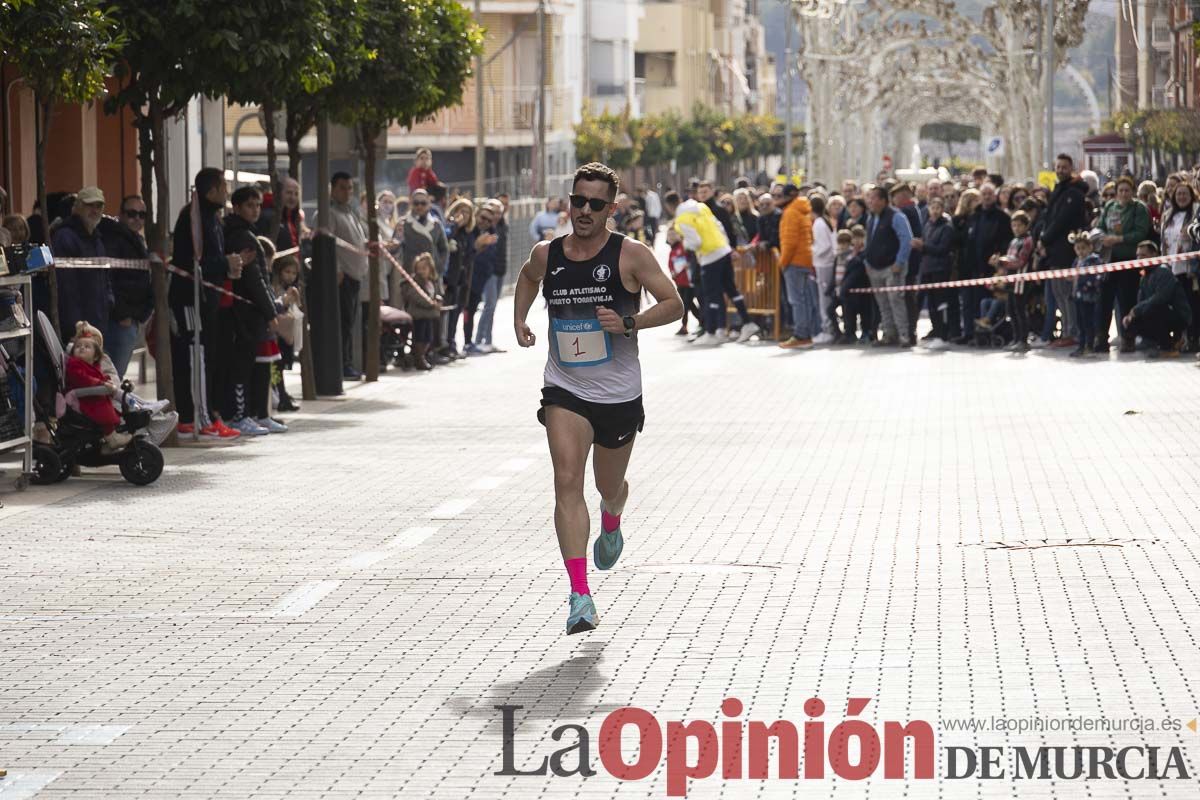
(540, 164)
(787, 124)
(480, 127)
(1048, 67)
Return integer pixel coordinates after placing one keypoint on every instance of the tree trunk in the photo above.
(268, 109)
(41, 116)
(150, 137)
(371, 368)
(296, 129)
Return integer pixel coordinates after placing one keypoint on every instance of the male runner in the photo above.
(592, 281)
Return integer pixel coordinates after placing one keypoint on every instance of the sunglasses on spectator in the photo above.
(419, 204)
(594, 203)
(129, 212)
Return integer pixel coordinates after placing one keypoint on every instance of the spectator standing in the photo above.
(707, 195)
(291, 217)
(352, 270)
(938, 250)
(768, 222)
(889, 243)
(1066, 213)
(1179, 215)
(83, 294)
(824, 255)
(989, 231)
(652, 204)
(902, 201)
(543, 225)
(133, 298)
(1125, 222)
(490, 265)
(745, 217)
(796, 261)
(221, 269)
(461, 244)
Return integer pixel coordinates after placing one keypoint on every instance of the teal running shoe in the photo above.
(582, 616)
(607, 548)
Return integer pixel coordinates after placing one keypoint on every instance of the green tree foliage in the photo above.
(64, 49)
(421, 55)
(949, 133)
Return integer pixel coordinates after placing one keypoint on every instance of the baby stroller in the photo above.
(75, 439)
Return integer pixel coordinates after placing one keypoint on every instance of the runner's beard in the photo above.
(590, 229)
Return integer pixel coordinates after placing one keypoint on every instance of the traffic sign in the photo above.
(995, 146)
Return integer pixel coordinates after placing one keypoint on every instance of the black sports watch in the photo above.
(630, 324)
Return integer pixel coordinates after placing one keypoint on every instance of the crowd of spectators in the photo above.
(893, 233)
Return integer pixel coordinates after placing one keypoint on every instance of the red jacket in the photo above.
(678, 264)
(419, 178)
(99, 410)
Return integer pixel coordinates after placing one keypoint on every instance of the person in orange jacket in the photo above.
(796, 261)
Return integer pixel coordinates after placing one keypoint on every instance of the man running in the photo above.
(592, 281)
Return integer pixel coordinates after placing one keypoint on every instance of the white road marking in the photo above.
(452, 508)
(488, 482)
(411, 538)
(363, 560)
(91, 734)
(22, 785)
(517, 464)
(303, 598)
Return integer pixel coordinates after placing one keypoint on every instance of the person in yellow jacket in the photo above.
(796, 261)
(703, 235)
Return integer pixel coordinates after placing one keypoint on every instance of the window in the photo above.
(657, 69)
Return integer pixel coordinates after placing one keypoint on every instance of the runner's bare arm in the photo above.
(528, 283)
(648, 273)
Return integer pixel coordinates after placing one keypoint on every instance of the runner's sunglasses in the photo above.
(596, 204)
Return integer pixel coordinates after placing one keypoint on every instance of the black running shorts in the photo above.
(613, 424)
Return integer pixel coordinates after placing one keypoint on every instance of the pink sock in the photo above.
(577, 572)
(609, 522)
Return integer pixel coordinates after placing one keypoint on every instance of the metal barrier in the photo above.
(757, 276)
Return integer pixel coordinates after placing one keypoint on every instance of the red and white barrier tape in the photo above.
(342, 243)
(1047, 274)
(139, 264)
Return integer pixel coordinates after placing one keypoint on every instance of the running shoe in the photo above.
(272, 425)
(823, 338)
(185, 428)
(748, 330)
(218, 430)
(936, 344)
(582, 616)
(708, 340)
(607, 548)
(249, 427)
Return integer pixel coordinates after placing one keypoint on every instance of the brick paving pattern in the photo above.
(336, 611)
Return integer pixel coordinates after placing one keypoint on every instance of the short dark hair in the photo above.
(129, 197)
(790, 189)
(1065, 157)
(207, 179)
(438, 192)
(880, 192)
(243, 194)
(672, 198)
(595, 171)
(817, 202)
(339, 176)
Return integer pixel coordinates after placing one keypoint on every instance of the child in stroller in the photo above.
(75, 437)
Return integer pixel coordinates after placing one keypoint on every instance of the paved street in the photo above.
(336, 612)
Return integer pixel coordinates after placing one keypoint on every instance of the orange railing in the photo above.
(756, 273)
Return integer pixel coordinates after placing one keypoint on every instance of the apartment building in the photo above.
(1154, 56)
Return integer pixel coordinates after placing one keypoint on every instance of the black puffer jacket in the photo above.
(940, 247)
(251, 318)
(1066, 213)
(132, 296)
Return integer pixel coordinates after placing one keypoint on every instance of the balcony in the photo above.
(507, 109)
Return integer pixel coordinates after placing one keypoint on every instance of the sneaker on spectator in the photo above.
(249, 427)
(470, 349)
(823, 338)
(1038, 343)
(185, 428)
(486, 348)
(1066, 341)
(937, 344)
(748, 330)
(272, 425)
(708, 340)
(351, 374)
(218, 430)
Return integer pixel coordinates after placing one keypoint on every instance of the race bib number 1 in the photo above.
(580, 342)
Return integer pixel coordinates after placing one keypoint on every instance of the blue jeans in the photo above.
(802, 294)
(491, 295)
(119, 341)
